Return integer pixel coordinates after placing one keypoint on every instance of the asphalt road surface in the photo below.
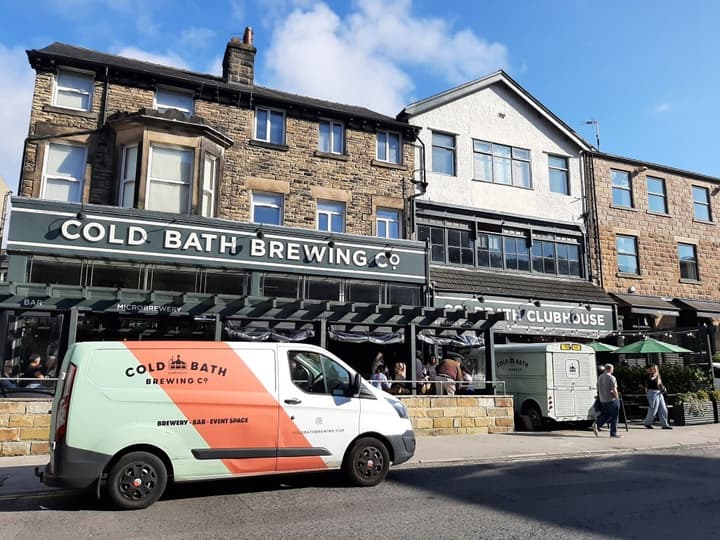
(672, 494)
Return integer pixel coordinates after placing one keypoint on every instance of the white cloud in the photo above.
(662, 107)
(146, 25)
(168, 58)
(364, 58)
(215, 66)
(196, 37)
(16, 98)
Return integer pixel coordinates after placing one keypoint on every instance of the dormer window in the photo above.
(170, 98)
(73, 90)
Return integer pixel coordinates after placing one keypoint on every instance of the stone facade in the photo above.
(460, 415)
(657, 234)
(24, 427)
(296, 169)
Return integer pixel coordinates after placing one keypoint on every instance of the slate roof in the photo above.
(90, 59)
(517, 285)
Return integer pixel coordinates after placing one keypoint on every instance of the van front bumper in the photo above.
(403, 446)
(72, 468)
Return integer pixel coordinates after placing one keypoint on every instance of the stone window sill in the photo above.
(704, 222)
(628, 208)
(691, 281)
(269, 145)
(70, 112)
(628, 276)
(330, 155)
(388, 165)
(659, 214)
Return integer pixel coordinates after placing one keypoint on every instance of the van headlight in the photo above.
(399, 407)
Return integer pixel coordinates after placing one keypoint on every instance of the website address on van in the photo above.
(203, 421)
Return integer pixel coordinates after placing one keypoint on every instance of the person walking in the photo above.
(609, 402)
(656, 401)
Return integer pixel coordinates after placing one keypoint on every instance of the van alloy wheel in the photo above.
(137, 480)
(367, 462)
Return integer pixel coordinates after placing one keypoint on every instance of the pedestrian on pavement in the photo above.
(656, 400)
(609, 401)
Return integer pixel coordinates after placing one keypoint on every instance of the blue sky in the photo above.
(647, 71)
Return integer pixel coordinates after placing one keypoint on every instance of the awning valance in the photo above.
(647, 305)
(703, 308)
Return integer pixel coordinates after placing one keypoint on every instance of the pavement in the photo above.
(17, 476)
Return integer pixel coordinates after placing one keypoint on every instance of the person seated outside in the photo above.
(399, 375)
(34, 370)
(379, 379)
(466, 386)
(6, 382)
(449, 373)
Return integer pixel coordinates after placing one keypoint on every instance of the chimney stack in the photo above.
(239, 59)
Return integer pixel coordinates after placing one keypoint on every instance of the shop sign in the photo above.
(149, 309)
(522, 315)
(103, 233)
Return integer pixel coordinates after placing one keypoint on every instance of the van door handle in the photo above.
(293, 401)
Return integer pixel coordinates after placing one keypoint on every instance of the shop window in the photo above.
(73, 90)
(387, 223)
(280, 285)
(443, 153)
(166, 278)
(331, 137)
(517, 254)
(687, 253)
(543, 256)
(267, 208)
(117, 274)
(323, 289)
(168, 98)
(403, 295)
(169, 180)
(225, 282)
(270, 126)
(330, 216)
(56, 271)
(128, 176)
(388, 147)
(489, 250)
(436, 237)
(364, 292)
(63, 173)
(460, 247)
(568, 259)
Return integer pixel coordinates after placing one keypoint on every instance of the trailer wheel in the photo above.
(533, 415)
(367, 463)
(137, 480)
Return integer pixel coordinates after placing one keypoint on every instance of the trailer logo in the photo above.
(515, 365)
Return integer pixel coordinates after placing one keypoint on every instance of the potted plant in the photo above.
(692, 408)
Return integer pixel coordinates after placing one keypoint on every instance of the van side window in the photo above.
(315, 373)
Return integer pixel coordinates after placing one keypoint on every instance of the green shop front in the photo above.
(81, 273)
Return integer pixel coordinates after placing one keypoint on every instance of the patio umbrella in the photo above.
(598, 346)
(650, 345)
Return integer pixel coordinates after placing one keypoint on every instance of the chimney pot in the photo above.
(248, 36)
(239, 60)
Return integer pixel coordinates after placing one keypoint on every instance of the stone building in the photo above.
(656, 244)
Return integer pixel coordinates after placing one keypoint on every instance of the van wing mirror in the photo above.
(356, 385)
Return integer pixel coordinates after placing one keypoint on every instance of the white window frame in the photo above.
(330, 214)
(331, 124)
(254, 204)
(123, 179)
(452, 149)
(149, 178)
(387, 222)
(57, 88)
(387, 146)
(210, 191)
(81, 180)
(565, 169)
(171, 90)
(270, 110)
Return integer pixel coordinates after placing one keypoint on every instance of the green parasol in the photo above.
(650, 345)
(598, 346)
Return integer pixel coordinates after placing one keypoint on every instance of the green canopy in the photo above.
(650, 345)
(598, 346)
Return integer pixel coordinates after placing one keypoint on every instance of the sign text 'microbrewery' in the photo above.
(226, 244)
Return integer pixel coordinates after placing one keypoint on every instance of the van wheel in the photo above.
(367, 462)
(137, 480)
(534, 417)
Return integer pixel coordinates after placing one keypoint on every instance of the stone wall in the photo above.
(460, 415)
(24, 427)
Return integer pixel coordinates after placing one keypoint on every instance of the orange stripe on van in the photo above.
(226, 392)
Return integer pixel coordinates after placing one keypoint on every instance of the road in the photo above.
(668, 494)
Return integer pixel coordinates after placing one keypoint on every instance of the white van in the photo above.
(555, 381)
(130, 416)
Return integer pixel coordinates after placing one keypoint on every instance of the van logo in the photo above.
(174, 371)
(177, 364)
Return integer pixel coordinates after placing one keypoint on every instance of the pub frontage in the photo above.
(85, 272)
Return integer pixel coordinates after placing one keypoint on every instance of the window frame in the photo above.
(149, 177)
(388, 222)
(451, 149)
(653, 195)
(177, 91)
(628, 189)
(565, 169)
(705, 204)
(123, 179)
(204, 190)
(512, 159)
(329, 214)
(387, 134)
(268, 125)
(45, 176)
(693, 263)
(331, 137)
(280, 207)
(635, 254)
(57, 88)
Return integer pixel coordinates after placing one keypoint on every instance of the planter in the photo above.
(689, 414)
